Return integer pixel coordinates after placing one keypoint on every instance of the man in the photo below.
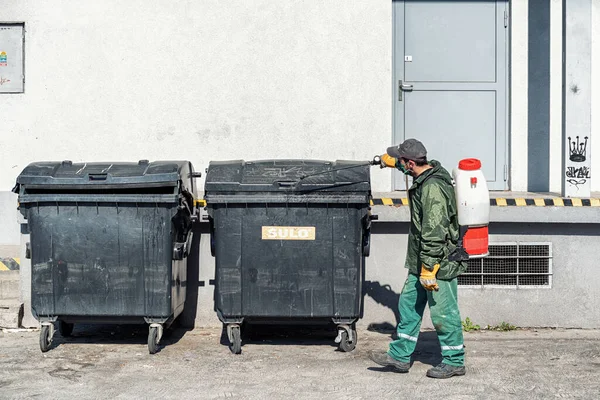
(432, 277)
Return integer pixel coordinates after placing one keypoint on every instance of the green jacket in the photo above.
(434, 223)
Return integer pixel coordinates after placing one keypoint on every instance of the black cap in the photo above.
(410, 149)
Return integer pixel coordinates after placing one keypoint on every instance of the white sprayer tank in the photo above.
(473, 202)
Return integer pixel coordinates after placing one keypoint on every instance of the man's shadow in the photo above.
(384, 295)
(428, 350)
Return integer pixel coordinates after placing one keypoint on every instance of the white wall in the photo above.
(113, 80)
(556, 100)
(9, 224)
(595, 136)
(518, 95)
(556, 104)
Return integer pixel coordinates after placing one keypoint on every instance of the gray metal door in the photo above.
(450, 82)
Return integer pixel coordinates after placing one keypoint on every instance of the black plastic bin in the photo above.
(108, 242)
(289, 238)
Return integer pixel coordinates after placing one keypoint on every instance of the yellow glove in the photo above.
(388, 161)
(427, 278)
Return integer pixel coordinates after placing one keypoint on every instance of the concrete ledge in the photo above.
(11, 313)
(504, 202)
(569, 215)
(9, 285)
(10, 251)
(543, 215)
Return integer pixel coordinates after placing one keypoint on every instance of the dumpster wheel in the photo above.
(65, 328)
(46, 334)
(235, 339)
(345, 344)
(153, 340)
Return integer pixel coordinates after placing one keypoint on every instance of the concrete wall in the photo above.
(562, 305)
(567, 303)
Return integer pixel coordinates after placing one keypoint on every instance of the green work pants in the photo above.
(443, 307)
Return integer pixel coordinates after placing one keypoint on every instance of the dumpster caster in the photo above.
(346, 338)
(65, 328)
(154, 336)
(235, 338)
(46, 334)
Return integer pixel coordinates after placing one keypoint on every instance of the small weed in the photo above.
(502, 326)
(468, 325)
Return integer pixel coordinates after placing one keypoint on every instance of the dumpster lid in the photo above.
(105, 174)
(288, 176)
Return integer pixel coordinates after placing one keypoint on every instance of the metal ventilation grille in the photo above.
(511, 265)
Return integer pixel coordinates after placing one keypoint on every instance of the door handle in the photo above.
(406, 87)
(403, 87)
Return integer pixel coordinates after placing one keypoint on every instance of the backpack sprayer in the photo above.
(473, 205)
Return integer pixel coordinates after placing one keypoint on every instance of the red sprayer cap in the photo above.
(469, 164)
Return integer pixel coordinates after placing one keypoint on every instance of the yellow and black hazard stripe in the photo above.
(544, 202)
(389, 202)
(496, 202)
(9, 264)
(506, 202)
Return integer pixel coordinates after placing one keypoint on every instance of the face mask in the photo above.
(404, 170)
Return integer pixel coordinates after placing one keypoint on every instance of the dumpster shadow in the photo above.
(103, 334)
(384, 295)
(285, 334)
(188, 316)
(128, 334)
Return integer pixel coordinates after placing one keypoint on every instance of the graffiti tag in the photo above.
(578, 172)
(577, 149)
(576, 182)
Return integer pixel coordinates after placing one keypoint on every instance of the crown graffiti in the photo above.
(577, 149)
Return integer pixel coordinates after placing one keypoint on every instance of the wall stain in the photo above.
(574, 88)
(203, 134)
(160, 135)
(222, 132)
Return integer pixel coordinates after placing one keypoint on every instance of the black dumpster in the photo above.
(289, 239)
(108, 242)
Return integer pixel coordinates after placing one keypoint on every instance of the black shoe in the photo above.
(385, 360)
(444, 371)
